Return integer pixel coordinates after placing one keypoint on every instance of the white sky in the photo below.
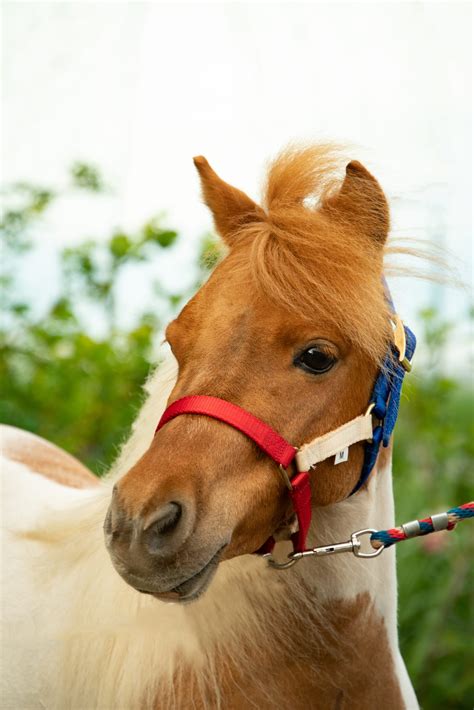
(139, 88)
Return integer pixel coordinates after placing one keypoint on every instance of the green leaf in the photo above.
(152, 232)
(87, 177)
(20, 309)
(120, 245)
(211, 252)
(62, 310)
(40, 200)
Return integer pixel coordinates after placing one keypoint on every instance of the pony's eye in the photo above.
(315, 360)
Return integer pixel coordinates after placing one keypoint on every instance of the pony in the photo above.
(175, 610)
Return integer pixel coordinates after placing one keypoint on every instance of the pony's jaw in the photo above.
(193, 587)
(189, 581)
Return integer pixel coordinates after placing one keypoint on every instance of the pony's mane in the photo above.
(309, 263)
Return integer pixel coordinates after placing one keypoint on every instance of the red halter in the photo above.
(267, 439)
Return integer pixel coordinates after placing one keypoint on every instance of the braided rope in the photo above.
(386, 538)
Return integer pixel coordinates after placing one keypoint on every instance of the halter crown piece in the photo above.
(375, 427)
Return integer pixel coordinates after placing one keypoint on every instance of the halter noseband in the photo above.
(383, 408)
(266, 439)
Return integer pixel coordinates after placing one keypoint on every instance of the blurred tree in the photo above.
(60, 381)
(433, 462)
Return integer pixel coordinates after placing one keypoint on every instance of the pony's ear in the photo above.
(361, 202)
(230, 207)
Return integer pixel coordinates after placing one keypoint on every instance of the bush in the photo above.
(78, 389)
(434, 449)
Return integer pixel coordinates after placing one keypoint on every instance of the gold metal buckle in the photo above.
(406, 364)
(369, 409)
(400, 342)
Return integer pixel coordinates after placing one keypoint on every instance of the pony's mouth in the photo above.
(193, 587)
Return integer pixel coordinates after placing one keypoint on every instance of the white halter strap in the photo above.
(330, 444)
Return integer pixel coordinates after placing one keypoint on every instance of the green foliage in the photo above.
(59, 380)
(82, 391)
(433, 455)
(27, 203)
(87, 177)
(211, 252)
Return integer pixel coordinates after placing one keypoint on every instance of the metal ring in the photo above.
(356, 544)
(369, 409)
(285, 476)
(406, 364)
(280, 565)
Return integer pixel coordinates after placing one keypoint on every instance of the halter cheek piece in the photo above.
(382, 409)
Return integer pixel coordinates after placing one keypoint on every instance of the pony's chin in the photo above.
(192, 588)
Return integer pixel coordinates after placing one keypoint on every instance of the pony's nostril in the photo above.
(163, 522)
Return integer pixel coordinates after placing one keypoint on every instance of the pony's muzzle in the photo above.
(156, 553)
(140, 544)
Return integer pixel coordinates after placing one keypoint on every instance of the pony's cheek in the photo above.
(257, 526)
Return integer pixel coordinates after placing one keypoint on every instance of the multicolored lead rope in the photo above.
(441, 521)
(380, 539)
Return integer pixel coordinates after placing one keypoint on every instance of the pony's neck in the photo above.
(346, 576)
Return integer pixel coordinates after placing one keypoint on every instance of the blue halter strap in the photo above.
(385, 399)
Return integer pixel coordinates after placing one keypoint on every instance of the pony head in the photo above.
(292, 326)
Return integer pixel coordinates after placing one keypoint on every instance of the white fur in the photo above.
(66, 609)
